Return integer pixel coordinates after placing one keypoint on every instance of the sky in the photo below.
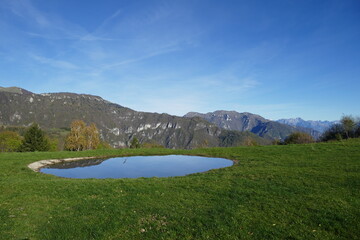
(278, 59)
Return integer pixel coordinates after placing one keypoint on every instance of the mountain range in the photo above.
(320, 126)
(256, 124)
(118, 125)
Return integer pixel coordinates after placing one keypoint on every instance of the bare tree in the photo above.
(348, 122)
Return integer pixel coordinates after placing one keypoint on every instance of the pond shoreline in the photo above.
(36, 166)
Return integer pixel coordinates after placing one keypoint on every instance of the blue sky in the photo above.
(278, 59)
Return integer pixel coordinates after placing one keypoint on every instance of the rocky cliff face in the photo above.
(232, 120)
(118, 125)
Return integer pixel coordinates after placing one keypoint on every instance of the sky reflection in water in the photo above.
(137, 166)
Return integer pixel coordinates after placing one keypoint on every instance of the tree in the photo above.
(92, 138)
(349, 124)
(75, 141)
(357, 131)
(82, 137)
(134, 143)
(9, 141)
(34, 140)
(298, 138)
(347, 128)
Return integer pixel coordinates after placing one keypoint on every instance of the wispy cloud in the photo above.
(124, 41)
(228, 80)
(167, 55)
(231, 84)
(109, 66)
(44, 25)
(25, 10)
(109, 20)
(54, 62)
(112, 44)
(91, 37)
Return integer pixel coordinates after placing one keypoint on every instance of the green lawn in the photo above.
(274, 192)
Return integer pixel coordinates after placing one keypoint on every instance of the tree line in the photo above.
(81, 137)
(348, 127)
(86, 137)
(34, 139)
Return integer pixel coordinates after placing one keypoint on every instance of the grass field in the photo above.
(274, 192)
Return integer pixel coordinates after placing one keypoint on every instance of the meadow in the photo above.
(309, 191)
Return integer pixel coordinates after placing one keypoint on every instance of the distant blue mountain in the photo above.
(320, 126)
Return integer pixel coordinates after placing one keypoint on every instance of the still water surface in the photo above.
(137, 166)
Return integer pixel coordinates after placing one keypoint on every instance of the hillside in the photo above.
(232, 120)
(118, 125)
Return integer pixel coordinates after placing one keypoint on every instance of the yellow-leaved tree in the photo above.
(92, 138)
(82, 137)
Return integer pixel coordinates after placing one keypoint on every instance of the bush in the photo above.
(335, 132)
(9, 141)
(54, 144)
(357, 131)
(277, 142)
(104, 145)
(298, 138)
(250, 142)
(135, 143)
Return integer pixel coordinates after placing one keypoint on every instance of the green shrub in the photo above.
(298, 138)
(134, 143)
(9, 141)
(335, 132)
(104, 145)
(357, 131)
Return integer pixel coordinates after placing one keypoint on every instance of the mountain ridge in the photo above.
(232, 120)
(118, 125)
(318, 125)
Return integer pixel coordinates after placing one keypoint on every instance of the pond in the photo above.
(136, 166)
